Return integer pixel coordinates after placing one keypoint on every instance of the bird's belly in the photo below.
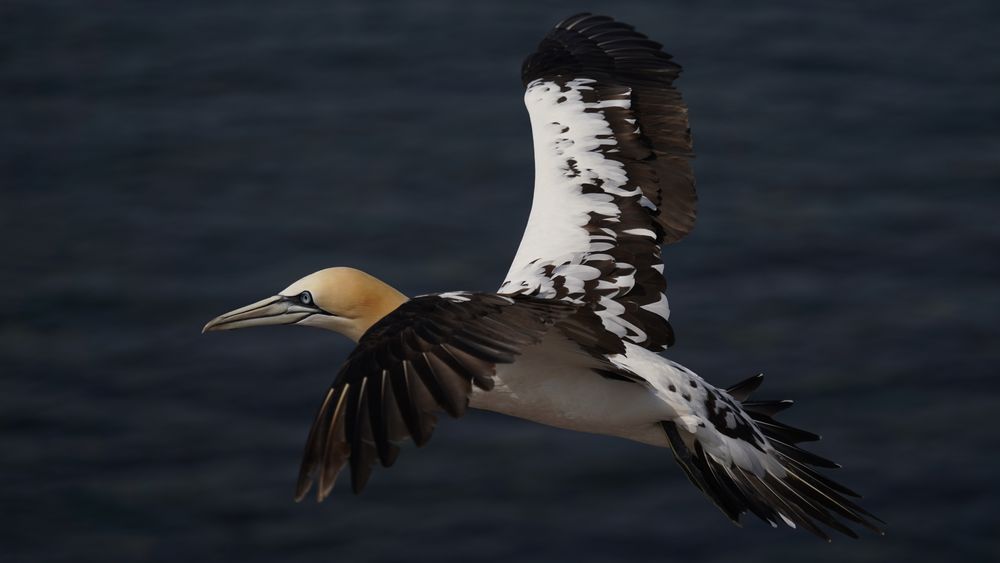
(574, 397)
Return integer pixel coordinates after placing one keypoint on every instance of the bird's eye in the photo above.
(306, 298)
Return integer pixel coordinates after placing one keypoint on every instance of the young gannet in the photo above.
(571, 339)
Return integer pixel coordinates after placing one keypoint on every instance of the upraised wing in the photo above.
(613, 179)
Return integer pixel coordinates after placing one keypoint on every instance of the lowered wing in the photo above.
(421, 359)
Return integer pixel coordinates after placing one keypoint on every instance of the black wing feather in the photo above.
(422, 358)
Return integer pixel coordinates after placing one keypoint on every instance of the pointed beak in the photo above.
(277, 310)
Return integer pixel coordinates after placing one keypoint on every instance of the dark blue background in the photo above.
(165, 162)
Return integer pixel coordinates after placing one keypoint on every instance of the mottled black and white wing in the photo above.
(613, 179)
(421, 359)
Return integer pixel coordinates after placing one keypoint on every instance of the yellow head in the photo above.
(343, 300)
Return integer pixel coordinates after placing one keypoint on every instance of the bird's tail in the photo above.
(745, 460)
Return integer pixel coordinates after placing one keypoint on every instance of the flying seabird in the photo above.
(572, 338)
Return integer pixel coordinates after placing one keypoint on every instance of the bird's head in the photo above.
(343, 300)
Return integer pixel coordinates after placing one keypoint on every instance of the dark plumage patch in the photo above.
(421, 359)
(729, 420)
(614, 375)
(571, 170)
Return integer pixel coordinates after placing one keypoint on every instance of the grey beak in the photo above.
(277, 310)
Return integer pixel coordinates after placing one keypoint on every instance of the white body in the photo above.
(553, 383)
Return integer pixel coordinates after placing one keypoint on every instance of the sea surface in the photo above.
(164, 162)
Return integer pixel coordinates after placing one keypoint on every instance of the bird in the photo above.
(573, 337)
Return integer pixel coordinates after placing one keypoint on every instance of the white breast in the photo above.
(553, 384)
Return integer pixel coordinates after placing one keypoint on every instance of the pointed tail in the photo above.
(746, 461)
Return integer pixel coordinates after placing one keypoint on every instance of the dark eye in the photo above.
(306, 298)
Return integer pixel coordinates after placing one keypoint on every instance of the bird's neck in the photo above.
(381, 300)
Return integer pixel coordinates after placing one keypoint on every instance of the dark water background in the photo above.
(164, 162)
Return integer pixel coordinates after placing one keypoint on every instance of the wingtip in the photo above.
(302, 490)
(323, 492)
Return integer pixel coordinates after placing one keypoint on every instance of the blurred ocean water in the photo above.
(161, 163)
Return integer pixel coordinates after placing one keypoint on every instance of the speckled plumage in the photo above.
(571, 339)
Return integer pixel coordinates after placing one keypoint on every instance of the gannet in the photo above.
(572, 337)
